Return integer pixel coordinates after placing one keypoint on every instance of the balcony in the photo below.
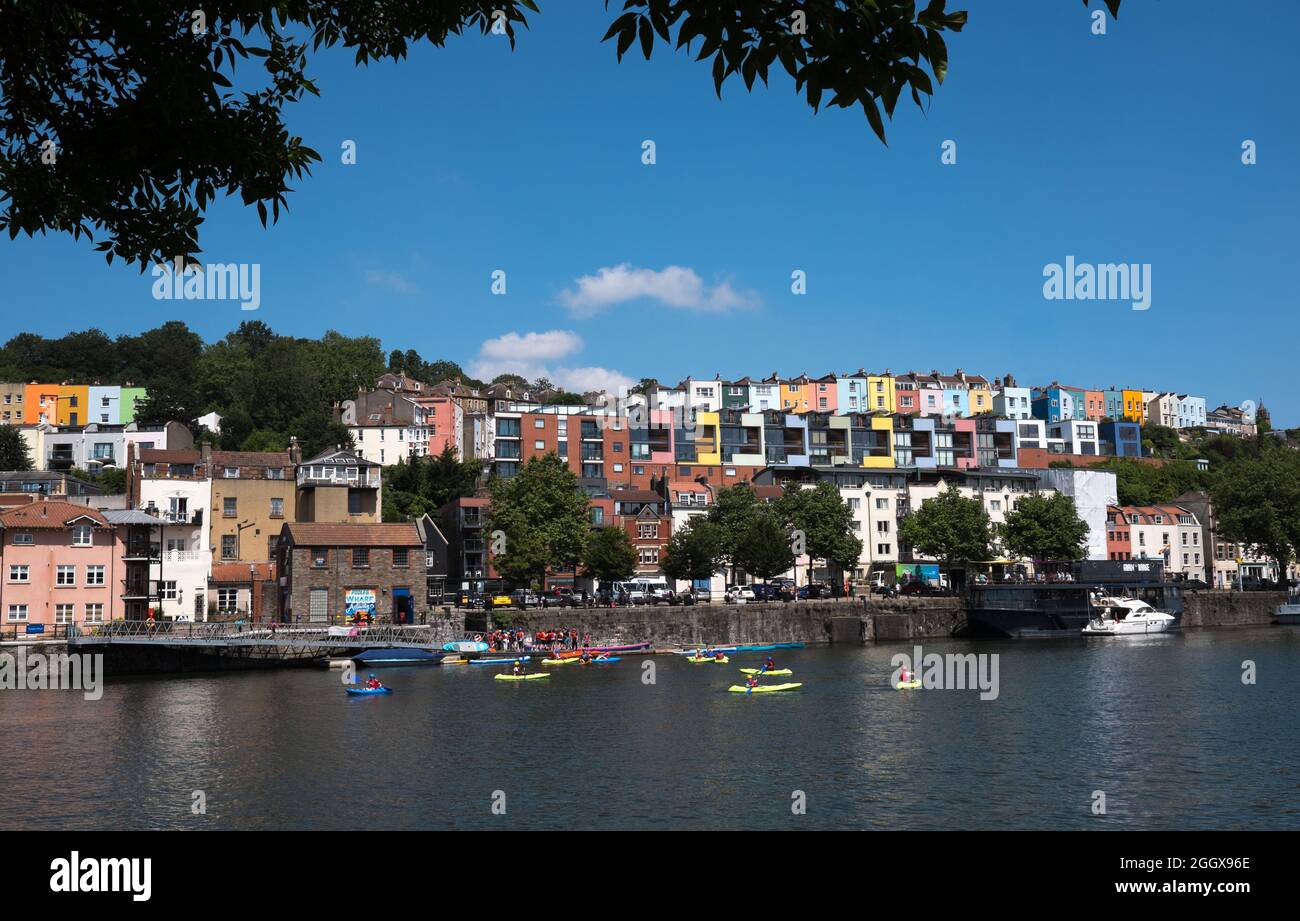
(338, 476)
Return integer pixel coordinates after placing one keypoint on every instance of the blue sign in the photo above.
(36, 628)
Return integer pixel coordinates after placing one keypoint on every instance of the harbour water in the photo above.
(1163, 726)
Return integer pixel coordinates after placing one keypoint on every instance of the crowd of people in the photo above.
(542, 640)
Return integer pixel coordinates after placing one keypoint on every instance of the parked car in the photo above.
(739, 594)
(765, 591)
(674, 597)
(525, 598)
(560, 596)
(814, 590)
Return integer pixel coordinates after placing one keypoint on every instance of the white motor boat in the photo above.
(1127, 617)
(1289, 613)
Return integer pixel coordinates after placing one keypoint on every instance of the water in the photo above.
(1163, 726)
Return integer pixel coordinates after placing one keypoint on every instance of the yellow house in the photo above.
(707, 450)
(883, 428)
(73, 408)
(794, 394)
(979, 397)
(1135, 407)
(880, 394)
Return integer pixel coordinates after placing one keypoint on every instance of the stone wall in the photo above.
(1230, 609)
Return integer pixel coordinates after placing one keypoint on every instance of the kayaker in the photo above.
(719, 655)
(373, 682)
(769, 665)
(518, 668)
(905, 676)
(751, 681)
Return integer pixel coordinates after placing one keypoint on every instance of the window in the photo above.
(730, 471)
(539, 423)
(19, 574)
(227, 599)
(354, 502)
(94, 575)
(277, 508)
(65, 576)
(275, 473)
(17, 612)
(318, 606)
(169, 591)
(648, 531)
(360, 556)
(648, 555)
(231, 473)
(320, 558)
(229, 547)
(882, 527)
(882, 504)
(618, 468)
(63, 613)
(95, 613)
(597, 516)
(539, 445)
(230, 507)
(882, 549)
(82, 536)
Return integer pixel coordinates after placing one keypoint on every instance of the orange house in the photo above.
(41, 404)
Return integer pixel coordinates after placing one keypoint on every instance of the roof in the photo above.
(164, 456)
(250, 459)
(354, 535)
(239, 572)
(338, 457)
(50, 514)
(635, 495)
(131, 516)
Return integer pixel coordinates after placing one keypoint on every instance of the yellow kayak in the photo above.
(764, 688)
(907, 685)
(521, 677)
(761, 673)
(723, 661)
(560, 661)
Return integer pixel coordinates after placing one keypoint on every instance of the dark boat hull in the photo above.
(375, 658)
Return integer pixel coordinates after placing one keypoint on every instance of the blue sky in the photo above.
(1117, 148)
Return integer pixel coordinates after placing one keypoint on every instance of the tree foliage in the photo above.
(1257, 503)
(762, 545)
(424, 485)
(949, 527)
(86, 82)
(695, 551)
(13, 450)
(610, 556)
(543, 517)
(827, 524)
(1045, 527)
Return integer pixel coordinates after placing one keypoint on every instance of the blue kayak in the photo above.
(365, 692)
(605, 661)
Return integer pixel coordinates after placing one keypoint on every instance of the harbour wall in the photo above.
(862, 620)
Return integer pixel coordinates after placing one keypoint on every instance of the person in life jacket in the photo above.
(372, 682)
(769, 665)
(518, 668)
(904, 676)
(751, 681)
(719, 655)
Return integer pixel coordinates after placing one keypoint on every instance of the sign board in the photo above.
(359, 601)
(35, 628)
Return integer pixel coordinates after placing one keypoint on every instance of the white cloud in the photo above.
(675, 286)
(395, 282)
(534, 355)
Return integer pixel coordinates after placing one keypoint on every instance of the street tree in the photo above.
(949, 527)
(1045, 527)
(542, 518)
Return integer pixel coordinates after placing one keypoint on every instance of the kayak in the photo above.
(905, 685)
(605, 661)
(499, 661)
(560, 661)
(764, 688)
(365, 692)
(761, 673)
(522, 677)
(723, 661)
(694, 653)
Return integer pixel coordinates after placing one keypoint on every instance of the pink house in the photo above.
(61, 564)
(446, 421)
